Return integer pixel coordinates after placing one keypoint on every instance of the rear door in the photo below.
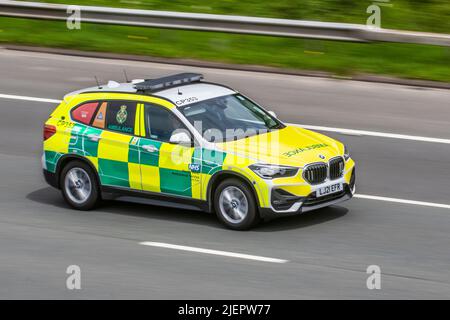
(117, 165)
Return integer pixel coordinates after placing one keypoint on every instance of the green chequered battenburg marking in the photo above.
(80, 142)
(51, 159)
(175, 182)
(91, 147)
(197, 156)
(76, 139)
(211, 160)
(149, 158)
(113, 173)
(133, 150)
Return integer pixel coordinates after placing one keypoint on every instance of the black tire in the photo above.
(252, 215)
(94, 195)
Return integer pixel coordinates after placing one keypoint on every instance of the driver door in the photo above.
(167, 167)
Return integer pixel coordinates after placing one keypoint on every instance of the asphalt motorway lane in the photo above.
(327, 251)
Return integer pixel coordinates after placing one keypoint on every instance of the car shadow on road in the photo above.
(52, 197)
(303, 220)
(49, 196)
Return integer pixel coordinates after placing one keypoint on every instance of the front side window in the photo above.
(161, 123)
(231, 117)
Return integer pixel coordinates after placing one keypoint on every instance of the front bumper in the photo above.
(309, 203)
(283, 203)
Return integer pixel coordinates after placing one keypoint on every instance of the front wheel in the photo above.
(235, 205)
(79, 186)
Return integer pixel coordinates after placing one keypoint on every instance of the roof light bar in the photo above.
(168, 82)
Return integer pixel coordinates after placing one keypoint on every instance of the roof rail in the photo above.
(153, 85)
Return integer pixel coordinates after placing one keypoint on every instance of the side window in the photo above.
(120, 116)
(160, 123)
(84, 112)
(100, 117)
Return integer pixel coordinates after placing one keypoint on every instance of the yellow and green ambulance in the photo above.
(181, 141)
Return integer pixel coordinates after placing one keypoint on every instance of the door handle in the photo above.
(150, 148)
(94, 137)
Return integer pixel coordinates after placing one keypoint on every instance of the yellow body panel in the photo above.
(197, 180)
(59, 142)
(176, 157)
(150, 178)
(94, 161)
(134, 171)
(113, 146)
(292, 146)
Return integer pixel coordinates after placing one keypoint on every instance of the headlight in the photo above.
(346, 153)
(271, 171)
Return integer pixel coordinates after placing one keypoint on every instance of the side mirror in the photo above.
(273, 114)
(181, 138)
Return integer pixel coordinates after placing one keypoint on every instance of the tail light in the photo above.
(49, 131)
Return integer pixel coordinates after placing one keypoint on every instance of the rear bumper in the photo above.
(51, 178)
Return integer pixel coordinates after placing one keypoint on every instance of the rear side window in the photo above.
(84, 112)
(100, 117)
(120, 116)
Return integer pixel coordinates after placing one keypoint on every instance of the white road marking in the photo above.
(373, 133)
(214, 252)
(14, 97)
(417, 203)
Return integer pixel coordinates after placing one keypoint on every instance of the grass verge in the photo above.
(340, 58)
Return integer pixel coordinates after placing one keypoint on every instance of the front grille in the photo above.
(315, 173)
(336, 168)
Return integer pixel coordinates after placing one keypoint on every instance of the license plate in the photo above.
(333, 188)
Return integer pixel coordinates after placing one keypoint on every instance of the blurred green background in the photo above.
(420, 15)
(340, 58)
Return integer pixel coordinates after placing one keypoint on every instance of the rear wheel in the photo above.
(79, 185)
(235, 205)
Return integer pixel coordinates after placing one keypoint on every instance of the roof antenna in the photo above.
(179, 92)
(126, 76)
(98, 84)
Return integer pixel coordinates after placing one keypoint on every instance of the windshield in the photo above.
(228, 118)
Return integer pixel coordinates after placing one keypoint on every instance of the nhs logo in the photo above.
(194, 167)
